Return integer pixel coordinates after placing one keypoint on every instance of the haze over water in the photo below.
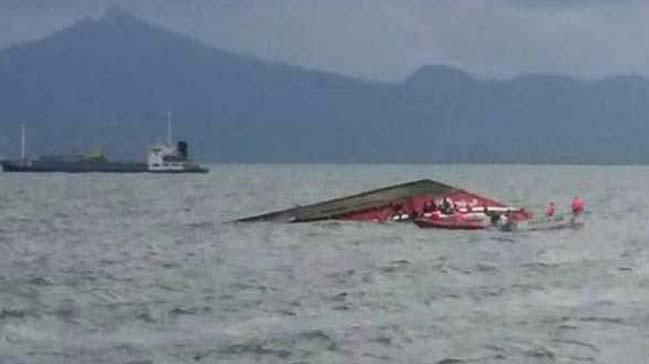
(101, 268)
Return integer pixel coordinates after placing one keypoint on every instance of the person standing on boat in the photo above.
(447, 206)
(549, 211)
(429, 206)
(503, 220)
(577, 206)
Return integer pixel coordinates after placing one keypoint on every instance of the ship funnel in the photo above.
(183, 150)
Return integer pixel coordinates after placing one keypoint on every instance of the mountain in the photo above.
(110, 82)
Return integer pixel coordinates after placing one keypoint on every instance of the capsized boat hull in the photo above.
(391, 203)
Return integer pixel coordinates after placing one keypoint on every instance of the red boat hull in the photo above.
(414, 206)
(451, 224)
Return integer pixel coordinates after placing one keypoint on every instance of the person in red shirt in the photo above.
(549, 211)
(577, 206)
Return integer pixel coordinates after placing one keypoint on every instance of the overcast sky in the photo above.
(386, 39)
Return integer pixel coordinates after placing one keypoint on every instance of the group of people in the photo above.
(446, 207)
(577, 207)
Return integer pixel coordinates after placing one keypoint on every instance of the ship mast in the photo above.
(22, 140)
(169, 139)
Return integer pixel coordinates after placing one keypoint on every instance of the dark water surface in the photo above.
(141, 269)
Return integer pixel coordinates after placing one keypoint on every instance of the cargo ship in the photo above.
(162, 158)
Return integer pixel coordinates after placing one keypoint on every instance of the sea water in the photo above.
(101, 268)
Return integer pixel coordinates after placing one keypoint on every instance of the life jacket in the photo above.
(549, 211)
(577, 206)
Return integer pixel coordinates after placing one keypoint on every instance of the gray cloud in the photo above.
(387, 39)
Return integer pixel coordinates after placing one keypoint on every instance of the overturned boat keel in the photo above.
(402, 202)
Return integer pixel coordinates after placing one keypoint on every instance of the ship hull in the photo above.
(89, 167)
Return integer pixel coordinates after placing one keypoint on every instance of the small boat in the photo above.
(563, 221)
(452, 223)
(471, 220)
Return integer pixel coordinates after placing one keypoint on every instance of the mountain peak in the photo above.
(113, 18)
(116, 14)
(431, 74)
